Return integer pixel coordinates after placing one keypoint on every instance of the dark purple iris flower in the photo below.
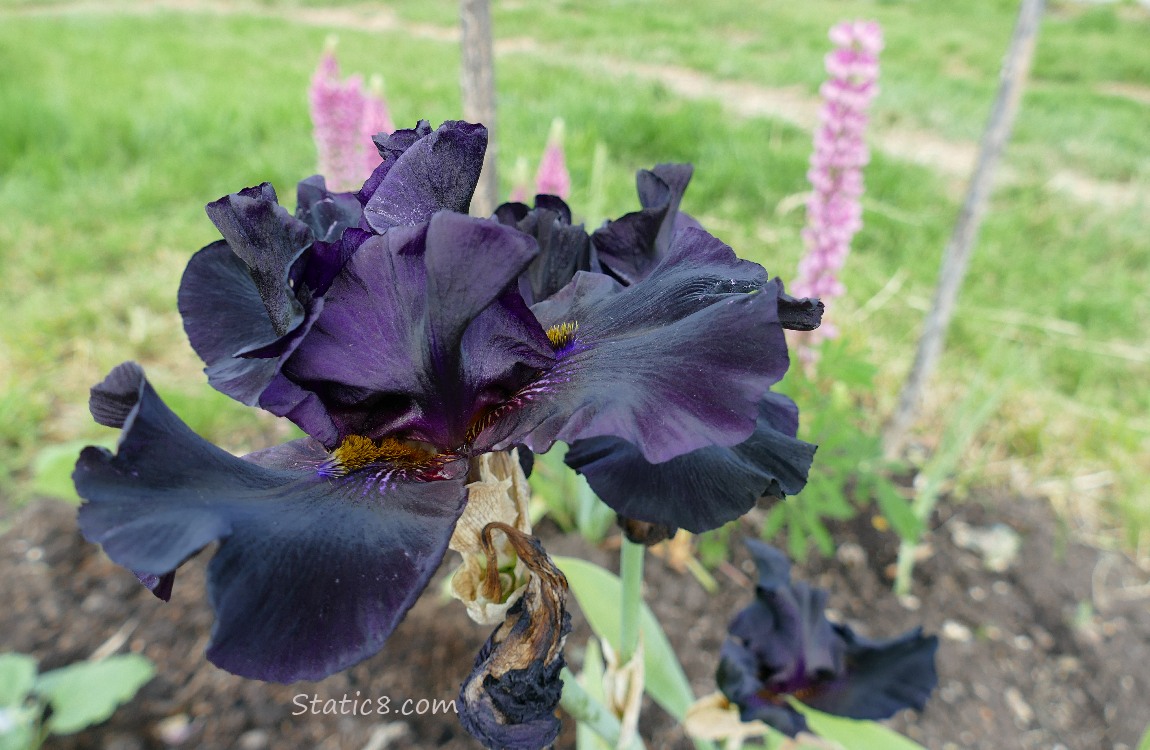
(783, 647)
(396, 331)
(716, 481)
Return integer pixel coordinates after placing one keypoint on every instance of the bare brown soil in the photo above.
(1053, 653)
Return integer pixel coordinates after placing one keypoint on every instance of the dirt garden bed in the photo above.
(1053, 652)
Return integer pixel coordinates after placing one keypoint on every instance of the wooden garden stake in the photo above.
(1015, 69)
(477, 79)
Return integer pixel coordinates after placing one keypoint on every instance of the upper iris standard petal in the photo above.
(420, 335)
(236, 295)
(268, 240)
(564, 249)
(677, 362)
(244, 314)
(632, 245)
(424, 172)
(313, 570)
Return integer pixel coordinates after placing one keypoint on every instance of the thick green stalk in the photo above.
(631, 571)
(591, 713)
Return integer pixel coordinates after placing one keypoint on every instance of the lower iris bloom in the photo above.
(783, 647)
(407, 339)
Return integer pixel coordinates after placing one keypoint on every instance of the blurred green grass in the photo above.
(116, 129)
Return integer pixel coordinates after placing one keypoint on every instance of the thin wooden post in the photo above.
(477, 79)
(1012, 80)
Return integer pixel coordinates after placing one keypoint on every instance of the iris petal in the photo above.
(313, 572)
(632, 245)
(268, 240)
(786, 627)
(327, 214)
(224, 315)
(563, 249)
(677, 362)
(424, 172)
(705, 488)
(413, 333)
(247, 301)
(799, 313)
(334, 221)
(738, 679)
(883, 677)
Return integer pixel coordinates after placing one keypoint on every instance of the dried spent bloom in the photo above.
(782, 646)
(834, 210)
(345, 117)
(509, 700)
(498, 493)
(552, 177)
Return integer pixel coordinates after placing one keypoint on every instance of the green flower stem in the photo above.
(631, 571)
(591, 713)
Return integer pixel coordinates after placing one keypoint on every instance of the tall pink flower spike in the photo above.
(552, 177)
(345, 117)
(834, 210)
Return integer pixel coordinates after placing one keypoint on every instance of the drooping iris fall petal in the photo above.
(313, 571)
(706, 488)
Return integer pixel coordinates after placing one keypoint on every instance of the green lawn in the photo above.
(116, 129)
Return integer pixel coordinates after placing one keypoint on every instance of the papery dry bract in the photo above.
(497, 493)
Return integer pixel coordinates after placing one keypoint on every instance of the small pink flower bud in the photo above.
(552, 177)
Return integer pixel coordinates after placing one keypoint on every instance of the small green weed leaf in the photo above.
(852, 734)
(550, 483)
(598, 592)
(52, 469)
(898, 511)
(1144, 744)
(88, 692)
(17, 676)
(16, 728)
